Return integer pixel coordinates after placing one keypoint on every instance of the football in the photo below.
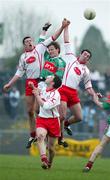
(89, 14)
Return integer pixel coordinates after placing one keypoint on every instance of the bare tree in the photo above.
(20, 22)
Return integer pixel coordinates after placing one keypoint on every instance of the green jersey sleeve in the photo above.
(106, 105)
(40, 40)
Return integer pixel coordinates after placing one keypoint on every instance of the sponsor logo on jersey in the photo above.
(77, 71)
(30, 60)
(50, 67)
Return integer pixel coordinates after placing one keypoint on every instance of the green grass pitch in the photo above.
(64, 168)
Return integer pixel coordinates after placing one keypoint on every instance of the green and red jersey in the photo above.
(52, 66)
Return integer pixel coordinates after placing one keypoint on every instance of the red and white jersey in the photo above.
(32, 62)
(74, 71)
(50, 109)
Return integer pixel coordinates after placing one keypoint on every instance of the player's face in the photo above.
(28, 44)
(84, 57)
(49, 80)
(53, 51)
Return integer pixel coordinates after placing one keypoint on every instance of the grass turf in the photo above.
(64, 168)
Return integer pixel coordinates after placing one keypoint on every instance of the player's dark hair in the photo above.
(55, 44)
(87, 51)
(25, 39)
(57, 82)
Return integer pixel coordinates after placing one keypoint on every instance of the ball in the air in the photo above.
(89, 14)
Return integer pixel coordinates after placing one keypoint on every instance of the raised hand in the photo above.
(46, 26)
(65, 23)
(31, 84)
(6, 87)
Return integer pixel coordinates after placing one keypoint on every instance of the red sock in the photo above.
(66, 123)
(33, 134)
(44, 158)
(89, 164)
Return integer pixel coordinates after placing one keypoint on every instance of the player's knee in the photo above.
(79, 117)
(62, 118)
(40, 137)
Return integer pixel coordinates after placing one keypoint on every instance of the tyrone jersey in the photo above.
(32, 62)
(42, 39)
(51, 104)
(74, 71)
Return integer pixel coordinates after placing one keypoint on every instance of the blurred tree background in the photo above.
(16, 27)
(93, 40)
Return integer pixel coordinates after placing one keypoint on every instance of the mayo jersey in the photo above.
(51, 104)
(52, 66)
(74, 71)
(32, 62)
(55, 65)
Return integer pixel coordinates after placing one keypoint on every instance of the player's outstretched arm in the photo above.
(66, 33)
(96, 100)
(94, 95)
(36, 92)
(10, 83)
(59, 31)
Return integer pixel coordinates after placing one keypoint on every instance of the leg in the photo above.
(62, 111)
(31, 107)
(51, 152)
(41, 136)
(77, 114)
(76, 117)
(98, 150)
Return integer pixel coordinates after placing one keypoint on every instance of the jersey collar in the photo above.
(51, 89)
(79, 61)
(29, 50)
